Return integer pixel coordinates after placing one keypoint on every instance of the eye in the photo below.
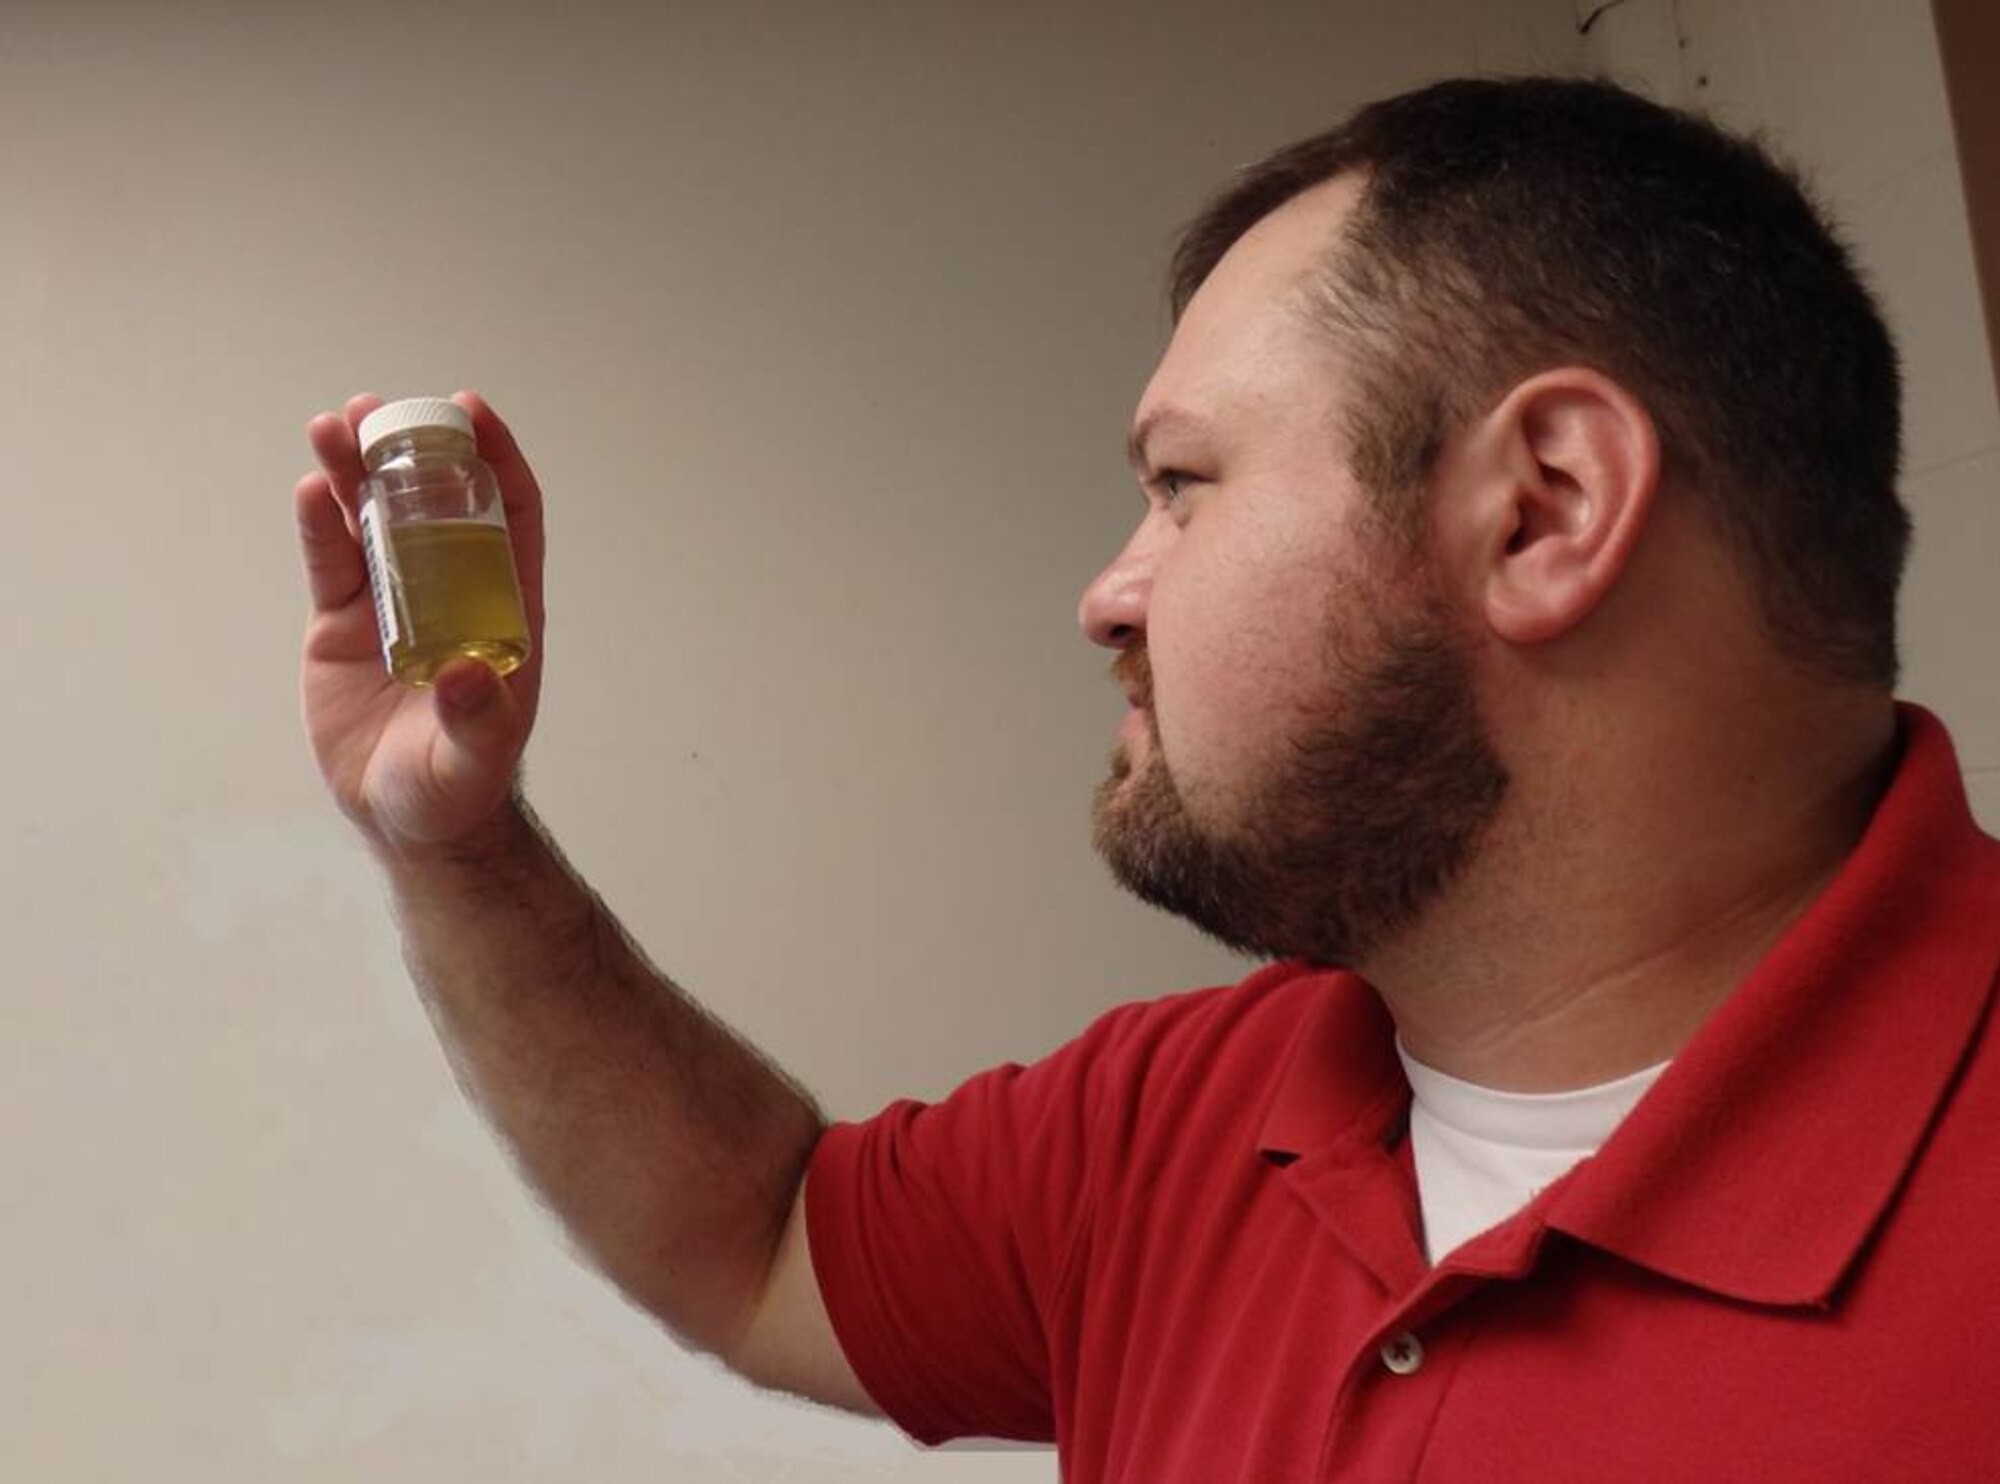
(1173, 484)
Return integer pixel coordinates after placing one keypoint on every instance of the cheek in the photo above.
(1229, 656)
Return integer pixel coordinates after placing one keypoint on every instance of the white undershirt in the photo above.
(1481, 1155)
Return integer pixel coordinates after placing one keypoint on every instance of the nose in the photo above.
(1113, 610)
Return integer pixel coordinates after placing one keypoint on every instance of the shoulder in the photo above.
(1202, 1060)
(1258, 1016)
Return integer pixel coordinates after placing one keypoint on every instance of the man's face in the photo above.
(1304, 767)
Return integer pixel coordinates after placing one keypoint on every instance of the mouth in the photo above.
(1135, 723)
(1132, 673)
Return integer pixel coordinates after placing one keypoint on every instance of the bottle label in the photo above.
(381, 576)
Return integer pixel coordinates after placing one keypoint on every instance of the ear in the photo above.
(1567, 467)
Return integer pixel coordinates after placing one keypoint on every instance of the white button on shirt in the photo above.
(1403, 1354)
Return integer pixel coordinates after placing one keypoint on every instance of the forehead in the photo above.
(1243, 332)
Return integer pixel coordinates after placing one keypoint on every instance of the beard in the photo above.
(1370, 813)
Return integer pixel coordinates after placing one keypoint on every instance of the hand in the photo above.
(412, 767)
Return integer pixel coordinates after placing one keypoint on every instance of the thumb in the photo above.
(478, 716)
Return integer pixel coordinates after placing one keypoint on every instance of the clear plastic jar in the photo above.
(435, 532)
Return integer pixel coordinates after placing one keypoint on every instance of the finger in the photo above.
(336, 572)
(358, 407)
(335, 445)
(521, 493)
(481, 725)
(498, 448)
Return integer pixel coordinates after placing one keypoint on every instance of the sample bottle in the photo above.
(435, 532)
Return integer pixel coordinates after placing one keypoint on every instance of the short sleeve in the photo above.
(940, 1233)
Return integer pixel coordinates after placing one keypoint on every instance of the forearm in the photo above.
(669, 1147)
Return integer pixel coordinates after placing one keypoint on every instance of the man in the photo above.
(1510, 639)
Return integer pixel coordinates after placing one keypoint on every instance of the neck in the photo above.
(1628, 885)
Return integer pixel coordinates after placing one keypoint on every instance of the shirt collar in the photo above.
(1340, 1084)
(1761, 1160)
(1769, 1150)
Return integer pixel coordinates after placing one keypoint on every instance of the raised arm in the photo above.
(673, 1152)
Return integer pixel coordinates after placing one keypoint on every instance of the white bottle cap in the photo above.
(392, 418)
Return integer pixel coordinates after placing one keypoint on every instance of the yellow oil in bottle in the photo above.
(451, 592)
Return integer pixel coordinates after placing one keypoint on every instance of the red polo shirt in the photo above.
(1184, 1247)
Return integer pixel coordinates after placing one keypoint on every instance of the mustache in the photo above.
(1132, 671)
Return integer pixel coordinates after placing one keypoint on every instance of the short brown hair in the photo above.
(1506, 226)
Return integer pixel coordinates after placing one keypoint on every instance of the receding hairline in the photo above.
(1191, 270)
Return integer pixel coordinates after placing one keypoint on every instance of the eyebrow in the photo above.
(1159, 420)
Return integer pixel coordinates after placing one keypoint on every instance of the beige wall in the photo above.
(821, 323)
(1968, 36)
